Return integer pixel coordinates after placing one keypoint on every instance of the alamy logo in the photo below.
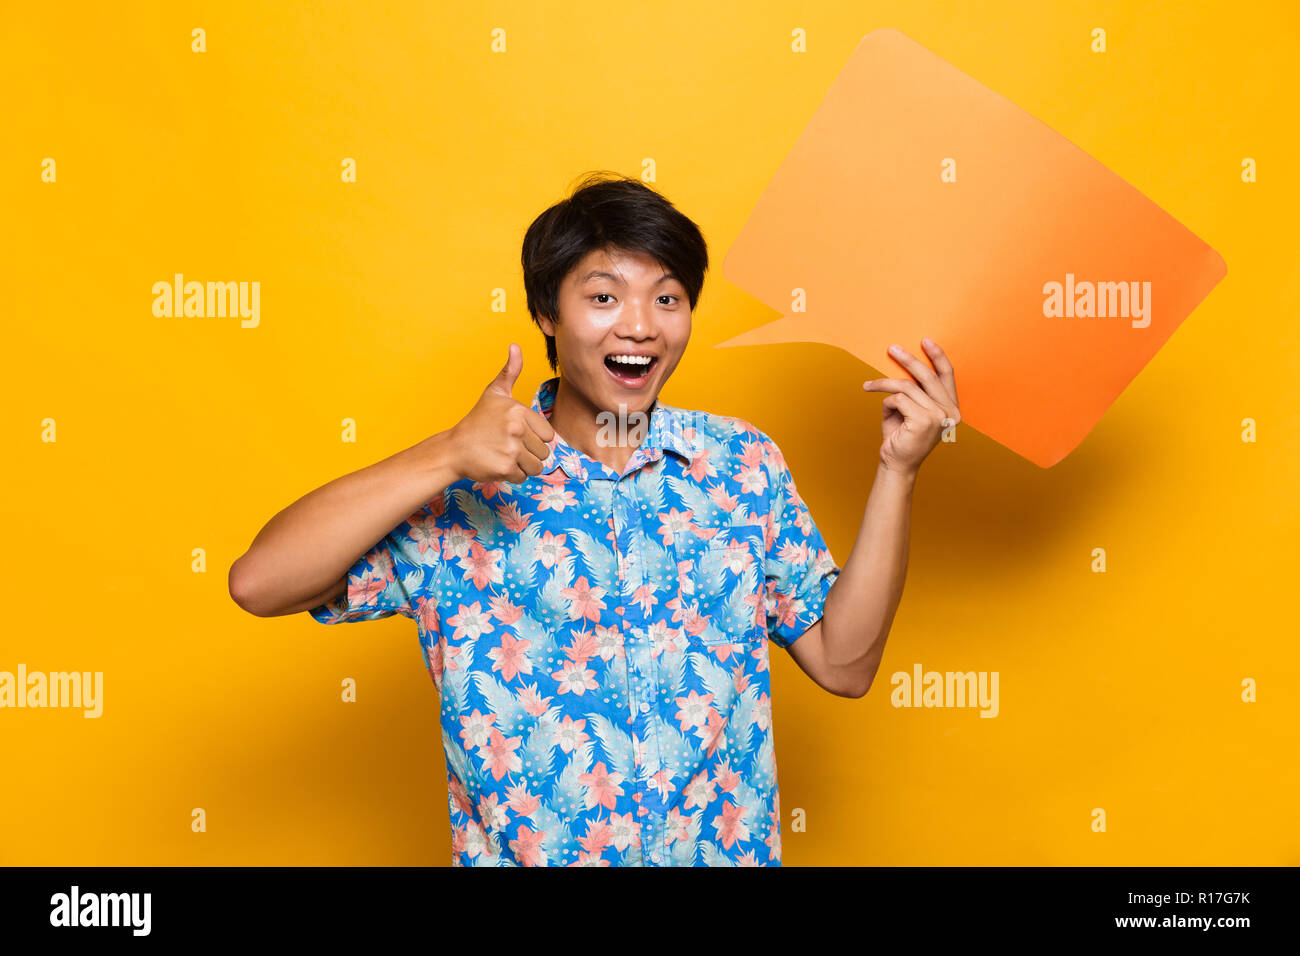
(83, 689)
(102, 909)
(1128, 300)
(197, 300)
(946, 689)
(621, 429)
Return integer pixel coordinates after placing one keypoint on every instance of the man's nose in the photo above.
(636, 320)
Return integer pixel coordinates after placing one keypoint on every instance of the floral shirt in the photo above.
(599, 643)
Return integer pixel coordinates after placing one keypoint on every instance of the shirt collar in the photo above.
(670, 430)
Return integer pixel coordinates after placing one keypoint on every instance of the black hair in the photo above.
(613, 212)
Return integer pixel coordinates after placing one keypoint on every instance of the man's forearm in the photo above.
(861, 603)
(313, 542)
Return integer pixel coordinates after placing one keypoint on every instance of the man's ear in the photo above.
(547, 326)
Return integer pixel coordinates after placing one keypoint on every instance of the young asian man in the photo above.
(597, 577)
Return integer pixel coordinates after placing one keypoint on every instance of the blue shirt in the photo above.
(599, 643)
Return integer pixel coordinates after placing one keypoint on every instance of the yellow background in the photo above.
(1118, 690)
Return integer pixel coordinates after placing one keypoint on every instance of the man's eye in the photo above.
(599, 294)
(673, 297)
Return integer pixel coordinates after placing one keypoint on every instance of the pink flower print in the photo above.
(570, 734)
(551, 549)
(455, 542)
(426, 533)
(491, 813)
(554, 495)
(590, 858)
(499, 755)
(676, 826)
(471, 839)
(609, 642)
(368, 591)
(527, 847)
(730, 824)
(701, 467)
(699, 792)
(470, 622)
(480, 566)
(738, 557)
(574, 677)
(476, 729)
(586, 600)
(624, 831)
(694, 710)
(602, 786)
(675, 523)
(660, 635)
(785, 607)
(511, 658)
(598, 836)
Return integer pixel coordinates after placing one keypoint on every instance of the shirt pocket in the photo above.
(722, 589)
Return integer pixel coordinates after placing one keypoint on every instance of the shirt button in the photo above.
(644, 707)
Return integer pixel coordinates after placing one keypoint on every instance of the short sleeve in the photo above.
(799, 567)
(391, 578)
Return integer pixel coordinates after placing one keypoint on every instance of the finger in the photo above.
(535, 445)
(905, 386)
(921, 372)
(505, 380)
(529, 463)
(539, 425)
(904, 405)
(943, 367)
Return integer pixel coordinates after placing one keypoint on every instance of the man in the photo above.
(597, 577)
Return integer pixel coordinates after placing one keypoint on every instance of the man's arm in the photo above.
(301, 558)
(842, 651)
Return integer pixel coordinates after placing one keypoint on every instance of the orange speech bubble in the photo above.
(918, 202)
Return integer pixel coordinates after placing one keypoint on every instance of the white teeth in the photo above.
(633, 359)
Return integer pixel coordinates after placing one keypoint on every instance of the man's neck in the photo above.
(574, 418)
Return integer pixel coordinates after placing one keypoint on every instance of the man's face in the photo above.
(624, 324)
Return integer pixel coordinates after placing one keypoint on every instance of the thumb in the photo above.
(505, 380)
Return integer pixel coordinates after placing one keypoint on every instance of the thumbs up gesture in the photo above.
(501, 439)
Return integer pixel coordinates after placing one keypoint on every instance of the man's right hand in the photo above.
(500, 439)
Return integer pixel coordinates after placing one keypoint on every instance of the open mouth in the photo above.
(630, 369)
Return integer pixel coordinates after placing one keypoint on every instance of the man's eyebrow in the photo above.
(598, 274)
